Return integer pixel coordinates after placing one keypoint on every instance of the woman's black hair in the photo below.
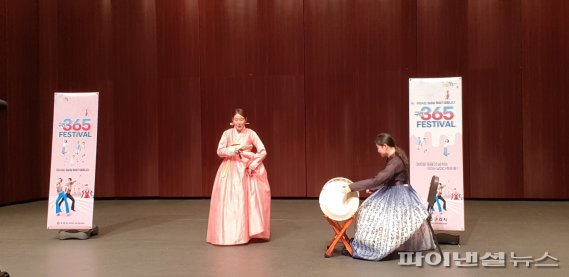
(240, 112)
(387, 139)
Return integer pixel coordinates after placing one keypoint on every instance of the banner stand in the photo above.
(73, 164)
(436, 152)
(78, 234)
(444, 238)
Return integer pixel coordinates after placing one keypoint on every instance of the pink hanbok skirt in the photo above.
(240, 206)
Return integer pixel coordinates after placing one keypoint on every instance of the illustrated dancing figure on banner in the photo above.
(422, 144)
(445, 147)
(455, 195)
(419, 143)
(68, 189)
(241, 198)
(439, 198)
(393, 217)
(77, 148)
(86, 193)
(61, 196)
(64, 148)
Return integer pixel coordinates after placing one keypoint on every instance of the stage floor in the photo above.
(167, 238)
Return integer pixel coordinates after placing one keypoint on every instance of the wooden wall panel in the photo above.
(479, 41)
(21, 73)
(441, 52)
(319, 79)
(250, 59)
(179, 99)
(47, 71)
(545, 41)
(136, 98)
(106, 143)
(492, 89)
(282, 106)
(76, 57)
(441, 38)
(3, 45)
(281, 113)
(358, 57)
(3, 113)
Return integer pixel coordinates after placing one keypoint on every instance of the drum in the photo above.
(336, 204)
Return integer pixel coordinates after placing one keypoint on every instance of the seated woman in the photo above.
(393, 217)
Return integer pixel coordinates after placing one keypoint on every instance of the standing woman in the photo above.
(393, 217)
(240, 206)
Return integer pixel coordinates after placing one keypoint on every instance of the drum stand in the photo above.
(341, 235)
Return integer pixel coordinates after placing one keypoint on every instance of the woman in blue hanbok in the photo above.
(393, 218)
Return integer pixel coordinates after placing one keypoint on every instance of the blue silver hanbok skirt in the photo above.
(392, 218)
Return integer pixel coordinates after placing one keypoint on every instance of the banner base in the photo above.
(444, 238)
(78, 234)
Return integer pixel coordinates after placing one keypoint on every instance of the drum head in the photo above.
(336, 204)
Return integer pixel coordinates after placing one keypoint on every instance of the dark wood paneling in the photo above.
(441, 33)
(231, 39)
(134, 76)
(106, 169)
(283, 21)
(179, 102)
(492, 90)
(275, 115)
(280, 117)
(480, 41)
(219, 97)
(21, 61)
(48, 63)
(545, 41)
(251, 53)
(3, 113)
(441, 52)
(3, 44)
(319, 79)
(83, 44)
(358, 57)
(281, 108)
(77, 57)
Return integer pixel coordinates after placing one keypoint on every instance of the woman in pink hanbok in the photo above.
(240, 206)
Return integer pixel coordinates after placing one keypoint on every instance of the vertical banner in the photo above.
(435, 148)
(73, 160)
